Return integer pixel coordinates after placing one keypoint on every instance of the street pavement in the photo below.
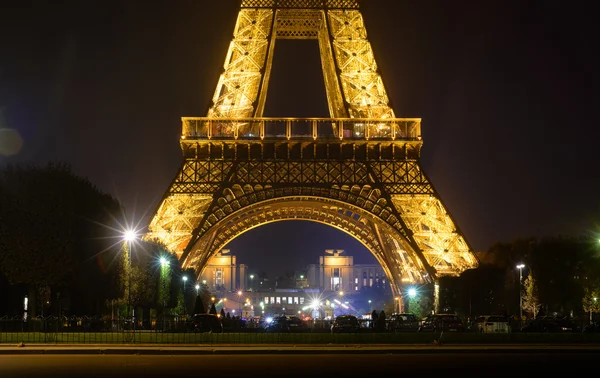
(167, 349)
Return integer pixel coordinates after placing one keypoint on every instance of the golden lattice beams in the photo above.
(386, 244)
(435, 232)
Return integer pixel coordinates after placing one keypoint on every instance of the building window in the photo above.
(290, 300)
(295, 300)
(355, 288)
(370, 282)
(266, 300)
(218, 276)
(335, 280)
(278, 300)
(272, 300)
(301, 300)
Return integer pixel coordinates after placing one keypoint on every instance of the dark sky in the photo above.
(507, 90)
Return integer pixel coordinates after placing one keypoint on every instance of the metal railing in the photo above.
(174, 331)
(353, 129)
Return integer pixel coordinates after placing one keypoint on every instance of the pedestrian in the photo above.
(374, 317)
(381, 320)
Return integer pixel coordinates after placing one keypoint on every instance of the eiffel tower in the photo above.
(357, 171)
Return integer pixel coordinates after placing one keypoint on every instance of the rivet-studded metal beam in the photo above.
(357, 171)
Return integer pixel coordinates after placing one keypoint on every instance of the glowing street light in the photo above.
(412, 292)
(197, 289)
(164, 264)
(184, 278)
(129, 236)
(520, 267)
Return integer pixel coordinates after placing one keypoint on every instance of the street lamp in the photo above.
(184, 278)
(164, 264)
(520, 267)
(197, 289)
(239, 293)
(129, 236)
(592, 309)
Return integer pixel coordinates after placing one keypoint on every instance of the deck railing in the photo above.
(354, 129)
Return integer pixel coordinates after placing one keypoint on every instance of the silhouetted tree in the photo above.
(55, 230)
(213, 309)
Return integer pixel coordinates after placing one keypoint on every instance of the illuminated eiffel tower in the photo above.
(357, 171)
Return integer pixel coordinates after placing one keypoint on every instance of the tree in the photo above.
(199, 307)
(213, 309)
(530, 299)
(591, 301)
(420, 305)
(53, 232)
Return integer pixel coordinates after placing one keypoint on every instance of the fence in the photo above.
(92, 330)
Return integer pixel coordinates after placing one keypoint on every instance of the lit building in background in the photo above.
(338, 273)
(220, 274)
(334, 286)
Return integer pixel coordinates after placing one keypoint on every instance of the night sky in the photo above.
(507, 90)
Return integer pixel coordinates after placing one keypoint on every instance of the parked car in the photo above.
(345, 323)
(206, 323)
(442, 322)
(491, 324)
(285, 324)
(551, 324)
(403, 323)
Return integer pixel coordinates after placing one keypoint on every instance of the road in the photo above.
(447, 364)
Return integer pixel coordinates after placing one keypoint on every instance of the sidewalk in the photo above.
(166, 349)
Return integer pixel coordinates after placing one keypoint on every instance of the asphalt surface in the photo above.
(289, 363)
(179, 349)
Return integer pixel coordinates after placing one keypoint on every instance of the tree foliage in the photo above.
(591, 299)
(54, 229)
(530, 299)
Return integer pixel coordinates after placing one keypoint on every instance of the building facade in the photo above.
(220, 274)
(338, 273)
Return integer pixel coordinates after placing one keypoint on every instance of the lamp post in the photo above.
(164, 265)
(239, 293)
(520, 267)
(197, 289)
(129, 236)
(592, 310)
(184, 278)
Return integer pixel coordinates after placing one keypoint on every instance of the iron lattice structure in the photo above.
(357, 171)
